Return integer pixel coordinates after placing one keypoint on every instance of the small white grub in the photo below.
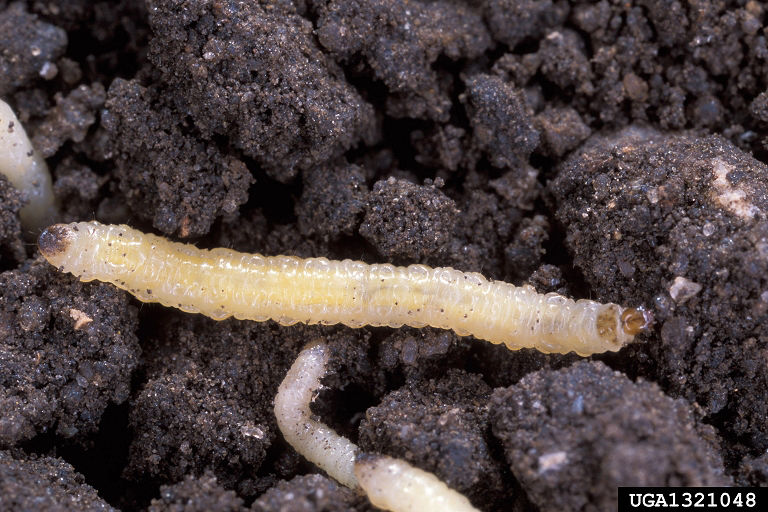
(683, 289)
(80, 317)
(316, 441)
(393, 484)
(26, 170)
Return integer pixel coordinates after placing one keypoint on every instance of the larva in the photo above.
(393, 484)
(390, 484)
(220, 283)
(316, 441)
(26, 170)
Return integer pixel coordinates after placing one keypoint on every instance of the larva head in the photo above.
(91, 250)
(617, 326)
(54, 242)
(634, 321)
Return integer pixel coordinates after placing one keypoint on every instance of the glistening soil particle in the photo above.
(398, 43)
(333, 201)
(562, 129)
(501, 123)
(512, 21)
(70, 119)
(753, 471)
(423, 224)
(275, 127)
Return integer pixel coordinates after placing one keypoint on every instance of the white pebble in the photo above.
(683, 289)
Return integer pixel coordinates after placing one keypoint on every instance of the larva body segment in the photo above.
(221, 283)
(393, 484)
(316, 441)
(26, 169)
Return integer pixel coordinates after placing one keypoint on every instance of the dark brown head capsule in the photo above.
(54, 240)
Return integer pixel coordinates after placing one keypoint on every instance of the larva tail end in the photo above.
(636, 320)
(54, 240)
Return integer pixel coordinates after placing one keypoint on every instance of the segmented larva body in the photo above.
(393, 484)
(316, 441)
(220, 283)
(26, 169)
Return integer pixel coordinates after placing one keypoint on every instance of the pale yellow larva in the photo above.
(393, 484)
(220, 283)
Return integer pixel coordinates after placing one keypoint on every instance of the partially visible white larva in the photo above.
(26, 170)
(317, 442)
(221, 283)
(393, 484)
(390, 484)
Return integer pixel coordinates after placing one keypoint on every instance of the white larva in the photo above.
(26, 170)
(390, 484)
(317, 442)
(393, 484)
(220, 283)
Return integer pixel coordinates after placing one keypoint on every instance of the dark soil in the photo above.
(610, 150)
(571, 437)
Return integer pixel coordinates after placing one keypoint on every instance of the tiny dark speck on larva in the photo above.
(54, 240)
